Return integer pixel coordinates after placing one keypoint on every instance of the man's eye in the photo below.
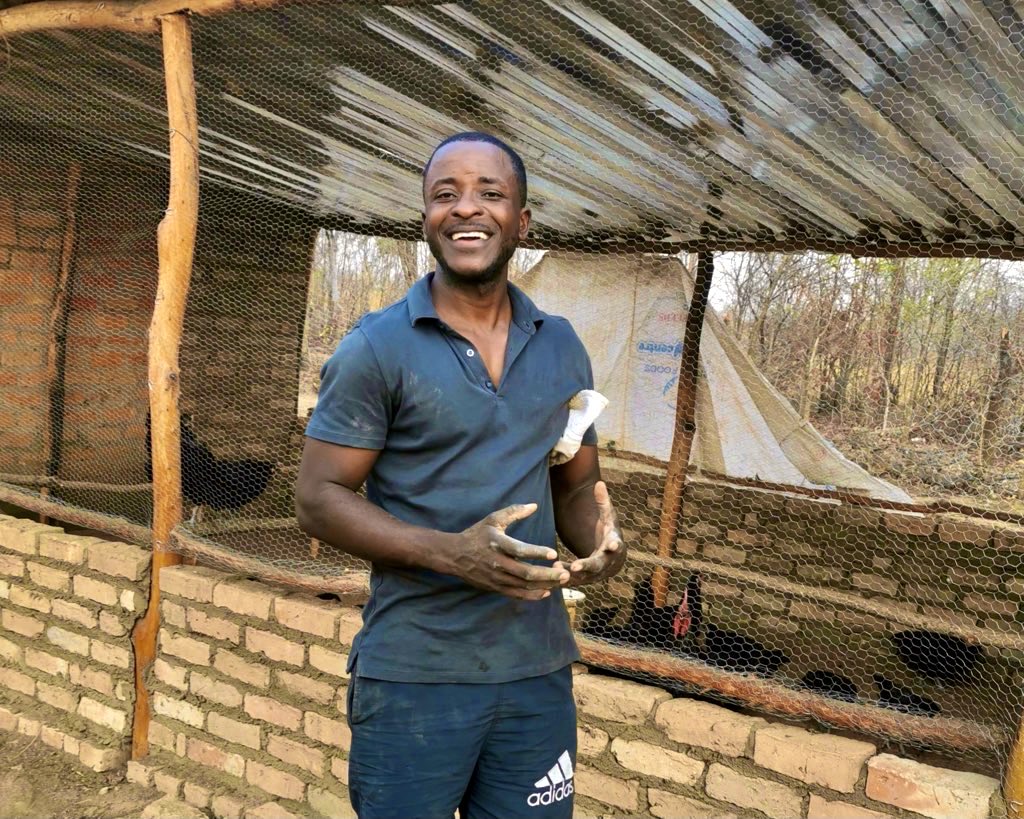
(493, 194)
(443, 195)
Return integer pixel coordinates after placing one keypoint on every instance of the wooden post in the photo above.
(56, 353)
(997, 397)
(686, 404)
(176, 238)
(1013, 780)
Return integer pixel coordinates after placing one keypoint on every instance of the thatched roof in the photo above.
(830, 125)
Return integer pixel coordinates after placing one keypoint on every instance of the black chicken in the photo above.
(897, 698)
(723, 648)
(209, 481)
(940, 658)
(830, 684)
(648, 625)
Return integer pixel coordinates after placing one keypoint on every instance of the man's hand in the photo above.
(609, 553)
(485, 557)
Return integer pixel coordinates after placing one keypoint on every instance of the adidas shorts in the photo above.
(493, 751)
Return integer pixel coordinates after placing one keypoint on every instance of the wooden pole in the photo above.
(757, 692)
(118, 527)
(176, 238)
(1013, 779)
(988, 445)
(686, 405)
(56, 353)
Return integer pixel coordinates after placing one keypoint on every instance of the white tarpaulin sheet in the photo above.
(630, 311)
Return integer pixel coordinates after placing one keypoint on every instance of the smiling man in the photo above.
(447, 404)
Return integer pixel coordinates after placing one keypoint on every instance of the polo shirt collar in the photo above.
(421, 306)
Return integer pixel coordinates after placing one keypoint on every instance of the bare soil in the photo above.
(37, 782)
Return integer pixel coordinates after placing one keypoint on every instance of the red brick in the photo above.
(76, 613)
(112, 625)
(307, 615)
(66, 548)
(936, 792)
(272, 711)
(12, 565)
(241, 733)
(56, 696)
(306, 687)
(215, 690)
(102, 714)
(274, 647)
(10, 651)
(351, 620)
(270, 810)
(16, 681)
(234, 666)
(95, 590)
(297, 754)
(211, 756)
(120, 560)
(100, 759)
(68, 640)
(178, 645)
(197, 795)
(177, 709)
(215, 627)
(94, 678)
(192, 582)
(118, 656)
(328, 731)
(173, 615)
(274, 781)
(47, 663)
(329, 662)
(47, 577)
(30, 599)
(172, 675)
(245, 597)
(21, 535)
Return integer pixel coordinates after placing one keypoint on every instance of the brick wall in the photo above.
(943, 566)
(67, 606)
(249, 697)
(644, 753)
(242, 335)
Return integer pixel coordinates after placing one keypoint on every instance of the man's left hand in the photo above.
(610, 552)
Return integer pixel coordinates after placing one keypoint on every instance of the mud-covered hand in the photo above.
(487, 558)
(609, 553)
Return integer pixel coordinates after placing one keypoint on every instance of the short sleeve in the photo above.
(354, 404)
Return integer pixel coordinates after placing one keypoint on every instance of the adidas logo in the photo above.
(556, 785)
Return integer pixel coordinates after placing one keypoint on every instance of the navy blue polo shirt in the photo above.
(454, 447)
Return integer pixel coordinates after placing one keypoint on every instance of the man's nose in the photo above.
(466, 206)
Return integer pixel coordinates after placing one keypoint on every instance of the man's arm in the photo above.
(329, 509)
(585, 518)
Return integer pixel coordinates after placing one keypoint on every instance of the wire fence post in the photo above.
(176, 238)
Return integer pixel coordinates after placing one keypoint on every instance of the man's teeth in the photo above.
(472, 234)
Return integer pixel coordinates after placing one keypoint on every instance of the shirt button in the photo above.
(490, 385)
(470, 353)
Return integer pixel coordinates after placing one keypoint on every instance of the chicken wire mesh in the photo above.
(884, 596)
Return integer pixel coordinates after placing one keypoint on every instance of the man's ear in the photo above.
(524, 223)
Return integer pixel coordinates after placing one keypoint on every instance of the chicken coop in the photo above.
(171, 168)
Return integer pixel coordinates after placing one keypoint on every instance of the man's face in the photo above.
(473, 220)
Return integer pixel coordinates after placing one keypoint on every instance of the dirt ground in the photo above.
(37, 782)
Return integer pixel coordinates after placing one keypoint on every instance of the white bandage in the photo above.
(584, 408)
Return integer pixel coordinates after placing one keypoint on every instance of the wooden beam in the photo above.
(352, 587)
(176, 239)
(138, 17)
(840, 599)
(47, 481)
(686, 405)
(757, 692)
(1013, 779)
(56, 352)
(118, 527)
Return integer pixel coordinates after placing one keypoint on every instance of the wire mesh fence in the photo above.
(851, 534)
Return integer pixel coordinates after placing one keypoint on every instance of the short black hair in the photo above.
(479, 136)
